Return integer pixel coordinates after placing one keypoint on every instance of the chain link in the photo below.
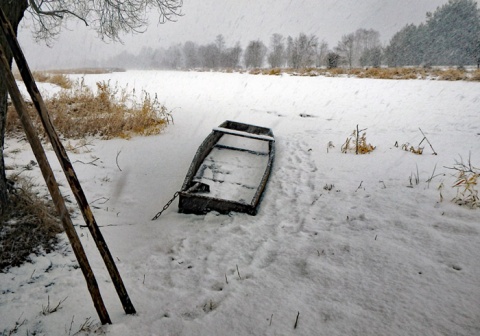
(166, 206)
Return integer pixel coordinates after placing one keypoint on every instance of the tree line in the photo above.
(450, 36)
(301, 51)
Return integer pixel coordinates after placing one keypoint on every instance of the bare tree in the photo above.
(355, 45)
(307, 49)
(276, 57)
(291, 54)
(321, 57)
(209, 56)
(301, 51)
(231, 56)
(346, 49)
(367, 44)
(227, 57)
(220, 43)
(255, 54)
(173, 57)
(110, 18)
(190, 53)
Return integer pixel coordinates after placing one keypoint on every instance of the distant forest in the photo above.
(450, 36)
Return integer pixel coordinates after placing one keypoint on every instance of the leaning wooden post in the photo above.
(53, 188)
(66, 164)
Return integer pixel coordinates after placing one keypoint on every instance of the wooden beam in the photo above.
(52, 185)
(66, 164)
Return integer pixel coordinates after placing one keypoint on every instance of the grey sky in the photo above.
(237, 20)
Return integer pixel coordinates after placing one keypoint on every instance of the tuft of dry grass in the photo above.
(475, 76)
(275, 71)
(55, 78)
(41, 76)
(28, 226)
(61, 80)
(452, 75)
(334, 72)
(257, 71)
(309, 72)
(466, 184)
(357, 142)
(409, 148)
(107, 112)
(467, 194)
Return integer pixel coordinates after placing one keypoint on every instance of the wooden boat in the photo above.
(229, 171)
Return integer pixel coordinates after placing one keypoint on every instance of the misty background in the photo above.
(237, 21)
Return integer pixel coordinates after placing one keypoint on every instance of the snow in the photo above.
(344, 242)
(234, 168)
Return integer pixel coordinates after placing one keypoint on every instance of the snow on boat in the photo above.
(229, 171)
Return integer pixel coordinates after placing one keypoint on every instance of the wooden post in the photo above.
(66, 164)
(53, 188)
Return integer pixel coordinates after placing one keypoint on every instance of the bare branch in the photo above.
(57, 13)
(110, 18)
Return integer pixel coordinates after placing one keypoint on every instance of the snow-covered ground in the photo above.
(343, 244)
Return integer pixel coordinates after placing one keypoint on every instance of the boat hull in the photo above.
(230, 170)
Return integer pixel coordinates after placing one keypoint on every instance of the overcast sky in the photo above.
(237, 20)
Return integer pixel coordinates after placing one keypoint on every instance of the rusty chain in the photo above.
(166, 206)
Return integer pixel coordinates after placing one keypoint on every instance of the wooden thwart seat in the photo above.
(244, 134)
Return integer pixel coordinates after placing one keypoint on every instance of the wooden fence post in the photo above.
(66, 165)
(53, 188)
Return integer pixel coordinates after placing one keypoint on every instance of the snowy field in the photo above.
(343, 244)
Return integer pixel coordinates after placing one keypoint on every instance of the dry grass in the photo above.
(41, 76)
(475, 76)
(392, 73)
(402, 73)
(467, 194)
(275, 71)
(397, 73)
(61, 80)
(334, 72)
(48, 77)
(452, 75)
(59, 77)
(310, 72)
(86, 71)
(29, 226)
(410, 148)
(257, 71)
(108, 112)
(357, 142)
(466, 185)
